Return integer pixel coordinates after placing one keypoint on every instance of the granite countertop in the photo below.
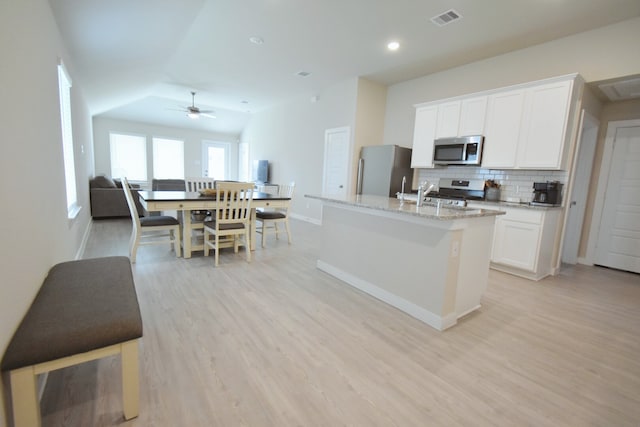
(393, 205)
(524, 205)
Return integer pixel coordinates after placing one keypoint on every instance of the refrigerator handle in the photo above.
(360, 172)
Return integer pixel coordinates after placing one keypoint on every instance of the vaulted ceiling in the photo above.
(139, 60)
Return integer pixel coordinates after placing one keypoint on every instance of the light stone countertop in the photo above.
(393, 205)
(522, 205)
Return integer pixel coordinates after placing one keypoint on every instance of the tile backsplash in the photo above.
(514, 184)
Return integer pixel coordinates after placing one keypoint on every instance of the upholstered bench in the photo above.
(85, 310)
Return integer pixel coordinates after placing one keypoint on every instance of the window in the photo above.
(128, 156)
(64, 86)
(168, 158)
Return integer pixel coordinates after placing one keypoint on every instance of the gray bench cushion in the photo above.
(82, 306)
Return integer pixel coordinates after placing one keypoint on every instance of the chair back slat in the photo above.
(234, 201)
(197, 184)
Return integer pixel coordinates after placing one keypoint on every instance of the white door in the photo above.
(216, 159)
(337, 158)
(618, 244)
(578, 200)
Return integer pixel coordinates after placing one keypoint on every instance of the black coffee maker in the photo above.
(547, 193)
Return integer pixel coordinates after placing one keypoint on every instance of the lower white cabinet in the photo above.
(524, 240)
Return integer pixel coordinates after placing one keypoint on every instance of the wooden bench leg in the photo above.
(24, 397)
(130, 379)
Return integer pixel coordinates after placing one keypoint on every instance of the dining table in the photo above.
(184, 202)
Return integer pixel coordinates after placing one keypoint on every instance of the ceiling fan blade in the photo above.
(211, 116)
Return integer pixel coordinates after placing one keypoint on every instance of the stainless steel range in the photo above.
(455, 192)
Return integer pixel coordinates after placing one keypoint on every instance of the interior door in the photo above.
(618, 244)
(578, 201)
(337, 156)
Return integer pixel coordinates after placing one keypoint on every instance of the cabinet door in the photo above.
(504, 115)
(423, 135)
(544, 126)
(472, 116)
(516, 244)
(448, 119)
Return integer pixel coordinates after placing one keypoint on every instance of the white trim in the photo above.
(305, 218)
(422, 314)
(603, 180)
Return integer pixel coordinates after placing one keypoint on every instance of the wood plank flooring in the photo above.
(279, 343)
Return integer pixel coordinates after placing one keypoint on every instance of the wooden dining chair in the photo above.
(150, 230)
(267, 220)
(198, 183)
(231, 219)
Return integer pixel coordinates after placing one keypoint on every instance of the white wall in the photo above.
(291, 137)
(600, 54)
(35, 230)
(102, 126)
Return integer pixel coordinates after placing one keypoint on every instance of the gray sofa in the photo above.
(107, 198)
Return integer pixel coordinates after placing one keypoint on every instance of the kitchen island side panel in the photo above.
(404, 259)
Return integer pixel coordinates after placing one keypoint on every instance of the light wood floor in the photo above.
(279, 343)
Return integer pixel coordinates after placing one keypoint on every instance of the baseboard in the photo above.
(584, 261)
(305, 218)
(422, 314)
(85, 239)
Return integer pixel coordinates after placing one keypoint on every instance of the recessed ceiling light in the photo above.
(256, 39)
(393, 46)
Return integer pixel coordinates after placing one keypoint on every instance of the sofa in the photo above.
(108, 200)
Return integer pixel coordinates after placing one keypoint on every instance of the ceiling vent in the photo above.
(446, 18)
(622, 89)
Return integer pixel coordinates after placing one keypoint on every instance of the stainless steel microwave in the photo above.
(464, 150)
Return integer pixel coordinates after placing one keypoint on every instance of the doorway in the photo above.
(578, 201)
(216, 159)
(337, 160)
(615, 236)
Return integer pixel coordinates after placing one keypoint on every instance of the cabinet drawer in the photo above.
(524, 215)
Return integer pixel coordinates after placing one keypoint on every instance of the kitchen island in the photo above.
(432, 263)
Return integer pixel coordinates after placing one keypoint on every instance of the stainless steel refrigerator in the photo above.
(381, 169)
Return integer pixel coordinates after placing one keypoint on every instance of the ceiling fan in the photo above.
(194, 112)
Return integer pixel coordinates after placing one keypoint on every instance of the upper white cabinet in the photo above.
(423, 135)
(504, 116)
(472, 116)
(461, 118)
(527, 128)
(544, 126)
(448, 119)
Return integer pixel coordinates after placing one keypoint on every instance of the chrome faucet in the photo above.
(424, 189)
(404, 181)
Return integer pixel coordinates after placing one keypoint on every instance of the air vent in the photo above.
(623, 89)
(303, 74)
(446, 18)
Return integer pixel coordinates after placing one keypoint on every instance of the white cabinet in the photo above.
(461, 118)
(544, 126)
(523, 240)
(516, 241)
(504, 115)
(527, 128)
(448, 119)
(472, 116)
(423, 135)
